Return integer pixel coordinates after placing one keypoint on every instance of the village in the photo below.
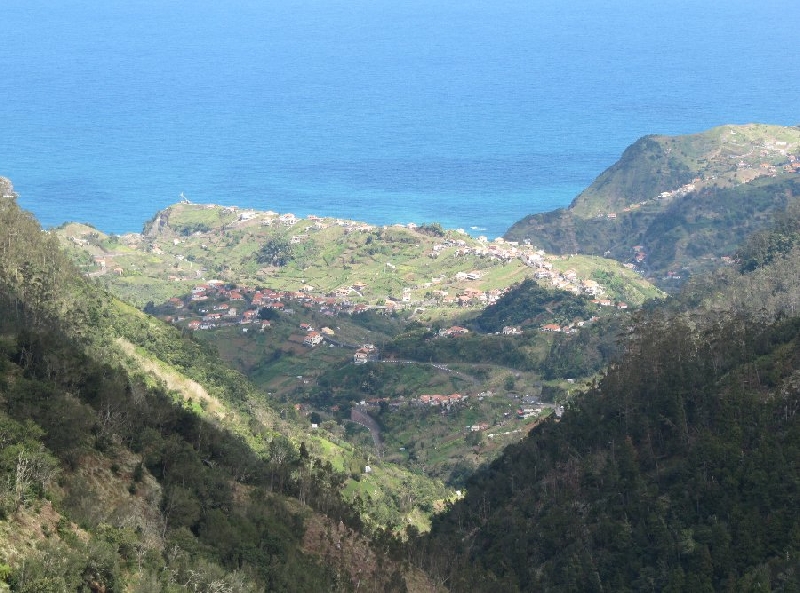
(214, 304)
(421, 271)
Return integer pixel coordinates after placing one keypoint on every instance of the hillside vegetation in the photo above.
(677, 206)
(254, 285)
(292, 427)
(132, 459)
(417, 267)
(677, 471)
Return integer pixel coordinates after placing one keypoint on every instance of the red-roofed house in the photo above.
(312, 339)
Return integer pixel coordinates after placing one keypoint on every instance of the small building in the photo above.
(367, 353)
(312, 339)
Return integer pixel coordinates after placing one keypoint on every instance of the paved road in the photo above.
(437, 365)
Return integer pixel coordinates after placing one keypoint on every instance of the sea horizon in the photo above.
(469, 114)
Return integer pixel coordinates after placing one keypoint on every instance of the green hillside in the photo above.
(134, 460)
(677, 206)
(418, 267)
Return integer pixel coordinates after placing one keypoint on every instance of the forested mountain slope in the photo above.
(111, 480)
(678, 471)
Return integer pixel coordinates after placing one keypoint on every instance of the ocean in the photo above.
(469, 113)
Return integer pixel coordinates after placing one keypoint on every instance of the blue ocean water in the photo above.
(469, 113)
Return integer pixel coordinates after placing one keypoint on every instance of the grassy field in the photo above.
(325, 255)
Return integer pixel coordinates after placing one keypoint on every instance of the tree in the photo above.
(277, 252)
(32, 470)
(433, 229)
(267, 314)
(282, 453)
